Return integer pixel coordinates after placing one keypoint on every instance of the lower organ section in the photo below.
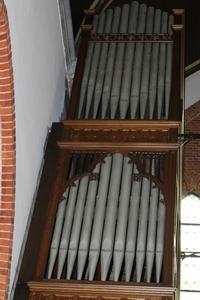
(110, 224)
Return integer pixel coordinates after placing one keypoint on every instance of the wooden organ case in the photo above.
(105, 223)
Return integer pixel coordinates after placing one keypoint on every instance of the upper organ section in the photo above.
(128, 65)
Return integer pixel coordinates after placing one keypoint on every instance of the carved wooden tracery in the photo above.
(84, 163)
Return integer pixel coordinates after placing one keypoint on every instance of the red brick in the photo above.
(8, 132)
(5, 73)
(6, 110)
(6, 227)
(6, 57)
(4, 264)
(8, 162)
(6, 80)
(5, 103)
(8, 118)
(9, 147)
(8, 176)
(5, 257)
(6, 154)
(6, 213)
(7, 205)
(8, 169)
(6, 220)
(8, 190)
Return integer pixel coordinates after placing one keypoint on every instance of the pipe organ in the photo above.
(106, 218)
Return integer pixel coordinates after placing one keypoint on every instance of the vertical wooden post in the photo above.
(176, 103)
(76, 87)
(170, 172)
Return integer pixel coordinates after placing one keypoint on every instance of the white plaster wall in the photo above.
(39, 77)
(192, 89)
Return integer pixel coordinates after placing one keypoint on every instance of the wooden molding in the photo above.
(87, 27)
(153, 124)
(178, 11)
(116, 147)
(177, 27)
(89, 12)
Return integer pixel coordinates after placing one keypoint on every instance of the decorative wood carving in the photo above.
(130, 37)
(143, 160)
(117, 130)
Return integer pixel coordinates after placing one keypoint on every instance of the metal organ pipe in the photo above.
(87, 223)
(142, 228)
(154, 67)
(67, 227)
(110, 65)
(94, 67)
(99, 216)
(160, 237)
(74, 239)
(57, 233)
(151, 235)
(146, 65)
(132, 224)
(168, 76)
(118, 67)
(128, 62)
(102, 65)
(137, 66)
(111, 215)
(88, 63)
(120, 236)
(161, 69)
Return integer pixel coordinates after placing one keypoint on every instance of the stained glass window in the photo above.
(190, 248)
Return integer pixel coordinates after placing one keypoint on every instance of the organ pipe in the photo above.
(87, 224)
(99, 216)
(137, 66)
(94, 67)
(110, 65)
(102, 65)
(118, 67)
(87, 70)
(128, 62)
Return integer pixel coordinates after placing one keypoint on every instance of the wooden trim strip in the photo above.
(119, 147)
(115, 124)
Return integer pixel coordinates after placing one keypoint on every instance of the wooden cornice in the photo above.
(119, 135)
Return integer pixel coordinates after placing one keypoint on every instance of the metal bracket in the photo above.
(185, 138)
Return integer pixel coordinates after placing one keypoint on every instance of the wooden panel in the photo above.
(55, 290)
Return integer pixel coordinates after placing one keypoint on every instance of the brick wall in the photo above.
(7, 153)
(191, 182)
